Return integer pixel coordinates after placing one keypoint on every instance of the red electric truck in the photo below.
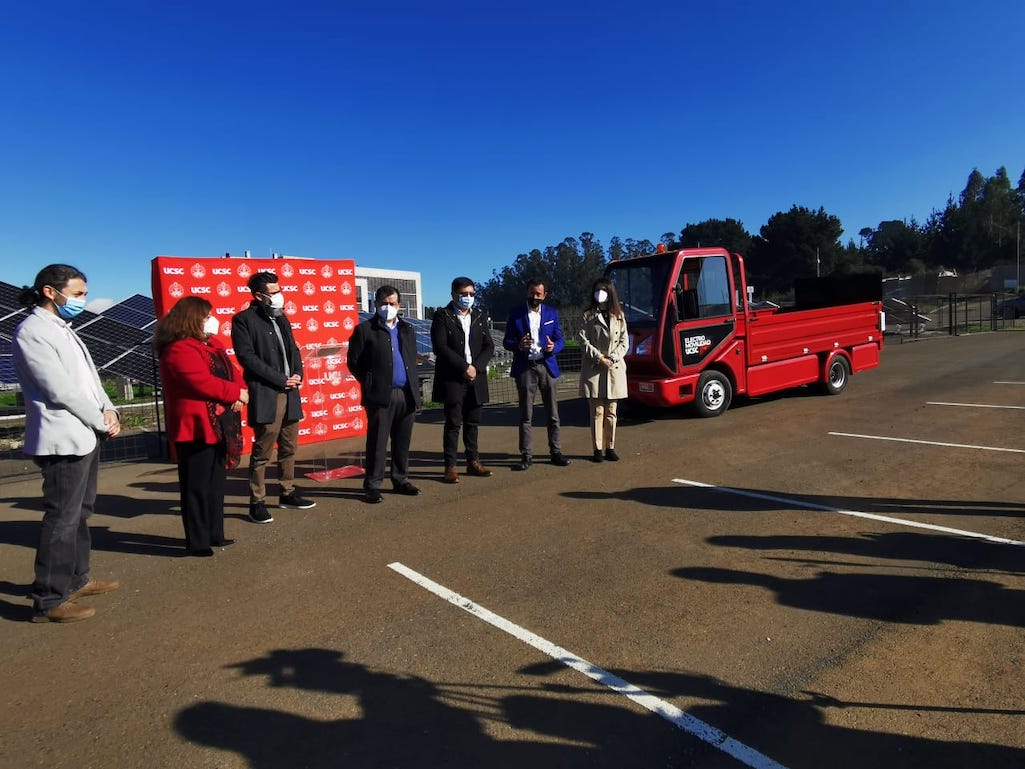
(696, 338)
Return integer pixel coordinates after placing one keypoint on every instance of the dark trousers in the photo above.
(462, 414)
(536, 378)
(201, 477)
(395, 421)
(62, 557)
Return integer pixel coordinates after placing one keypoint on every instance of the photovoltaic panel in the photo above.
(128, 316)
(138, 365)
(8, 298)
(112, 332)
(140, 304)
(7, 375)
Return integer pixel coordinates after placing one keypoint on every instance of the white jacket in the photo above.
(63, 416)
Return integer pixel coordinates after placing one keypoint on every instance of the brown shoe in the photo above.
(451, 476)
(66, 612)
(474, 467)
(95, 587)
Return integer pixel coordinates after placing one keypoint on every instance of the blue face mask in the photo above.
(465, 302)
(71, 308)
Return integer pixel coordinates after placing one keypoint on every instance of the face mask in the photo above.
(387, 312)
(534, 303)
(465, 302)
(601, 296)
(211, 326)
(277, 301)
(71, 308)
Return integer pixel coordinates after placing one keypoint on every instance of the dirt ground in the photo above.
(765, 619)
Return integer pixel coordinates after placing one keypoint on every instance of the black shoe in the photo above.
(373, 497)
(524, 463)
(408, 489)
(258, 513)
(295, 500)
(558, 459)
(611, 455)
(223, 543)
(597, 457)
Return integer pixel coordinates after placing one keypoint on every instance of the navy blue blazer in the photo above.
(518, 326)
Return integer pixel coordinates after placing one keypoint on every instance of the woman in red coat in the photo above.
(203, 395)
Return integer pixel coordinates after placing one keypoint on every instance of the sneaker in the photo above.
(95, 587)
(295, 500)
(66, 612)
(258, 513)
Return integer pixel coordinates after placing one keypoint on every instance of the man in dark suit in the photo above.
(273, 370)
(462, 348)
(534, 336)
(382, 356)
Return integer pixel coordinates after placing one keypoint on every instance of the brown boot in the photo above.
(474, 467)
(95, 587)
(66, 612)
(451, 476)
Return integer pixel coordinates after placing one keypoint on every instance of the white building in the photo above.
(369, 279)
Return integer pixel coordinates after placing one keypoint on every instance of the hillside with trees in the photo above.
(977, 231)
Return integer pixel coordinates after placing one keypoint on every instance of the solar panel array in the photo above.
(422, 328)
(118, 338)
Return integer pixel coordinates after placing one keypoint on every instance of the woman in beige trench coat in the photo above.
(603, 343)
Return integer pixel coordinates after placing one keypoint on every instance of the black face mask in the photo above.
(534, 303)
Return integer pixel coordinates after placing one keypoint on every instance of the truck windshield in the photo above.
(641, 284)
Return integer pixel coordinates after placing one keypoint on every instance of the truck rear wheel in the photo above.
(714, 394)
(836, 376)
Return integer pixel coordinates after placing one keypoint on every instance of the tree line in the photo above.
(976, 231)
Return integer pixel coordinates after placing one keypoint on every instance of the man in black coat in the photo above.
(382, 356)
(273, 369)
(462, 349)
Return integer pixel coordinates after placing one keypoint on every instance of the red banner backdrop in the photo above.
(320, 303)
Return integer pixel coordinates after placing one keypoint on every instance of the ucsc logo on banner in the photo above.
(320, 304)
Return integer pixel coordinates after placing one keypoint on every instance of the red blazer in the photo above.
(189, 385)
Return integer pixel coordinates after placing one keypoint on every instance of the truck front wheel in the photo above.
(714, 394)
(836, 376)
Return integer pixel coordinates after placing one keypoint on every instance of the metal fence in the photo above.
(952, 314)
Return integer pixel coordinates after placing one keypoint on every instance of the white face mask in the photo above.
(388, 312)
(211, 326)
(277, 301)
(601, 296)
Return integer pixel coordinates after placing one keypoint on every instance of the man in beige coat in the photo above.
(603, 343)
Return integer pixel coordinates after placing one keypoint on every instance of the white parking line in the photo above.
(672, 714)
(928, 443)
(856, 513)
(972, 405)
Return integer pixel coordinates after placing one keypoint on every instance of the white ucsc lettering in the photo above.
(331, 324)
(345, 271)
(329, 289)
(174, 271)
(304, 431)
(340, 426)
(337, 396)
(221, 271)
(225, 311)
(307, 271)
(289, 289)
(199, 290)
(311, 308)
(318, 414)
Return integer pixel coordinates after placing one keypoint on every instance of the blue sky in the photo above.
(447, 137)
